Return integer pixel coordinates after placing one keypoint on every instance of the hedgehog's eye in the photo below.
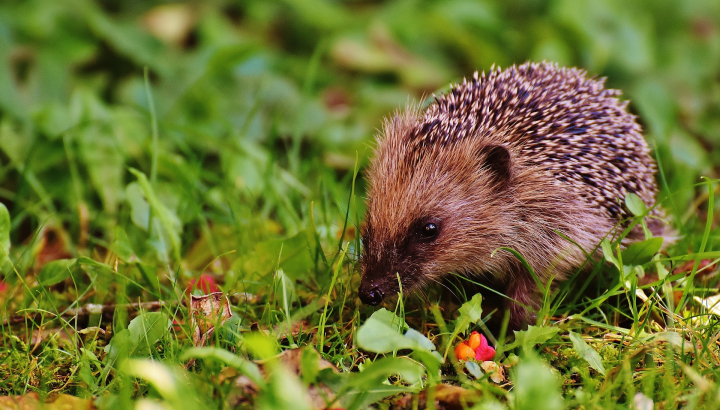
(429, 229)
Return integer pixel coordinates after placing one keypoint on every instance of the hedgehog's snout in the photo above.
(371, 295)
(373, 287)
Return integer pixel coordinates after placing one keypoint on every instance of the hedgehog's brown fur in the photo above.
(502, 160)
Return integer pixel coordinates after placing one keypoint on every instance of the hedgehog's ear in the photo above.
(499, 163)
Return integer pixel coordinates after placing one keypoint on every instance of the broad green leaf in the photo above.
(363, 399)
(118, 350)
(55, 272)
(656, 105)
(376, 335)
(284, 391)
(55, 119)
(391, 319)
(534, 335)
(122, 247)
(294, 255)
(85, 371)
(139, 207)
(470, 312)
(310, 364)
(170, 382)
(245, 366)
(609, 254)
(422, 341)
(13, 144)
(146, 329)
(101, 274)
(374, 374)
(87, 263)
(635, 204)
(474, 369)
(536, 386)
(139, 46)
(432, 360)
(157, 374)
(587, 352)
(640, 253)
(260, 345)
(4, 232)
(171, 226)
(102, 157)
(229, 331)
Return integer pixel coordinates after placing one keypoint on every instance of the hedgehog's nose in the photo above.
(372, 296)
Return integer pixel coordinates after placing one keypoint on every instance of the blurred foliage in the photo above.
(259, 102)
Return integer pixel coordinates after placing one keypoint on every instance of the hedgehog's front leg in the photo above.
(525, 300)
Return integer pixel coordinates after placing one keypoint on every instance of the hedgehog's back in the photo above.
(557, 120)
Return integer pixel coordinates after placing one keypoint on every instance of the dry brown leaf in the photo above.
(446, 397)
(711, 303)
(31, 401)
(170, 23)
(208, 311)
(319, 394)
(51, 246)
(245, 390)
(496, 372)
(688, 266)
(292, 359)
(297, 327)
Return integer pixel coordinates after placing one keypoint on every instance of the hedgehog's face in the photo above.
(389, 264)
(430, 217)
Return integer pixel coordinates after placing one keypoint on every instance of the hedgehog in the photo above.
(535, 157)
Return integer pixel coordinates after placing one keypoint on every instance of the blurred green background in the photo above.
(262, 107)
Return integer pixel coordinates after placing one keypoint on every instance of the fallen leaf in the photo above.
(586, 352)
(496, 372)
(292, 359)
(711, 303)
(446, 397)
(205, 283)
(208, 311)
(170, 23)
(301, 326)
(336, 100)
(687, 267)
(52, 246)
(297, 361)
(31, 401)
(643, 402)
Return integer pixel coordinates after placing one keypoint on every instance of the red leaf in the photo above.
(484, 351)
(205, 283)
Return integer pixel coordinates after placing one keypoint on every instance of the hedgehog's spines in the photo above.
(548, 115)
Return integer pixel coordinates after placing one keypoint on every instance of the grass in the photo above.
(137, 159)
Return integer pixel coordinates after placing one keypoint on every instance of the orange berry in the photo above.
(475, 340)
(464, 352)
